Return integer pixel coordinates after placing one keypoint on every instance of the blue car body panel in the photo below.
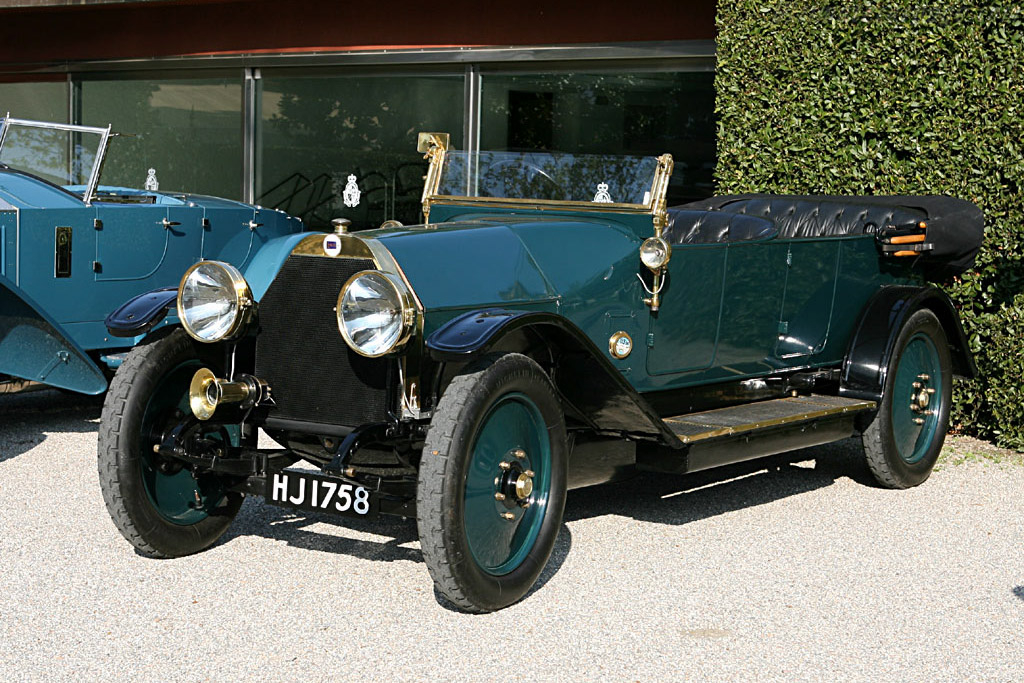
(66, 264)
(32, 346)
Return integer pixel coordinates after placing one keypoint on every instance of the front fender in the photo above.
(266, 263)
(585, 379)
(871, 347)
(141, 313)
(34, 347)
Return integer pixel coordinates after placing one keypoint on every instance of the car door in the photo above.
(806, 314)
(683, 333)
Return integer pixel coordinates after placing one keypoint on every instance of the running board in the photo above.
(753, 430)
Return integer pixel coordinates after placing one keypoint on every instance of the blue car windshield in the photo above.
(67, 156)
(549, 176)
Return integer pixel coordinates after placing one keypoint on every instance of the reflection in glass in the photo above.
(549, 176)
(40, 101)
(62, 157)
(616, 113)
(189, 131)
(317, 131)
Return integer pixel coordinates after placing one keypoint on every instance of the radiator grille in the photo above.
(313, 375)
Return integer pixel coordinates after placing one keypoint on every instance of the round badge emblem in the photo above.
(332, 245)
(620, 345)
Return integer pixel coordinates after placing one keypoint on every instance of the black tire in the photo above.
(905, 438)
(501, 410)
(143, 398)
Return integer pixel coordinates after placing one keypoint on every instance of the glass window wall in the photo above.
(345, 146)
(35, 101)
(189, 132)
(634, 113)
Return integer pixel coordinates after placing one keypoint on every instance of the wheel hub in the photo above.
(513, 483)
(921, 396)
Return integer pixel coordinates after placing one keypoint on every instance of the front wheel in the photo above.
(161, 506)
(492, 483)
(903, 442)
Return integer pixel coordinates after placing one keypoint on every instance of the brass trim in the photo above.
(243, 299)
(367, 247)
(613, 342)
(351, 247)
(435, 147)
(407, 313)
(715, 431)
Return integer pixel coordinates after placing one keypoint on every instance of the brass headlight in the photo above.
(375, 313)
(655, 252)
(214, 301)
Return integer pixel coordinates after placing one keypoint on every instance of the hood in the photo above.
(482, 263)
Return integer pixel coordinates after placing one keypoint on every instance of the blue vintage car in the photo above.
(72, 250)
(551, 325)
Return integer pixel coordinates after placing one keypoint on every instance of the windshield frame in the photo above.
(435, 148)
(101, 150)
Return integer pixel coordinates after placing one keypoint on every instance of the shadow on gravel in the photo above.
(1019, 591)
(681, 499)
(558, 554)
(282, 524)
(291, 526)
(26, 418)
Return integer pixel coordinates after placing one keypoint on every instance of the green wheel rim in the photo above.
(918, 373)
(174, 494)
(501, 533)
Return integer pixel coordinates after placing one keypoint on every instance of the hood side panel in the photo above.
(470, 268)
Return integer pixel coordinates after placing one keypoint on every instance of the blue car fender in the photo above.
(140, 314)
(266, 262)
(34, 347)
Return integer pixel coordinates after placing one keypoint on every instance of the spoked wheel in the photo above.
(163, 507)
(492, 483)
(904, 440)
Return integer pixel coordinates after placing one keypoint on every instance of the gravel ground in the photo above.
(797, 570)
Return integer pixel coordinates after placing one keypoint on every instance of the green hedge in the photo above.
(894, 97)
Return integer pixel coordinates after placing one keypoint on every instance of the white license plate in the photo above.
(317, 493)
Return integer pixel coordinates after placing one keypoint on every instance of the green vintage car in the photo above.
(551, 325)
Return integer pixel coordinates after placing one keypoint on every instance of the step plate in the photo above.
(751, 417)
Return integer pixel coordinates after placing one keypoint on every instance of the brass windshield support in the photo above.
(433, 146)
(659, 210)
(659, 189)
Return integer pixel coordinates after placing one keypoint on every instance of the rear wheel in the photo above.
(163, 507)
(492, 483)
(904, 440)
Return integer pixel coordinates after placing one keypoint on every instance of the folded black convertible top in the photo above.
(954, 227)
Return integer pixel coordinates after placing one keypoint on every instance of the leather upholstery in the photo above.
(688, 226)
(803, 217)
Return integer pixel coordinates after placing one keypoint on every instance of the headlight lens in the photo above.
(374, 313)
(214, 301)
(655, 252)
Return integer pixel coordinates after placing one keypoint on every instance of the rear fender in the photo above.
(871, 347)
(588, 384)
(34, 347)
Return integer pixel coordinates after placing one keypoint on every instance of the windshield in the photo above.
(549, 176)
(68, 156)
